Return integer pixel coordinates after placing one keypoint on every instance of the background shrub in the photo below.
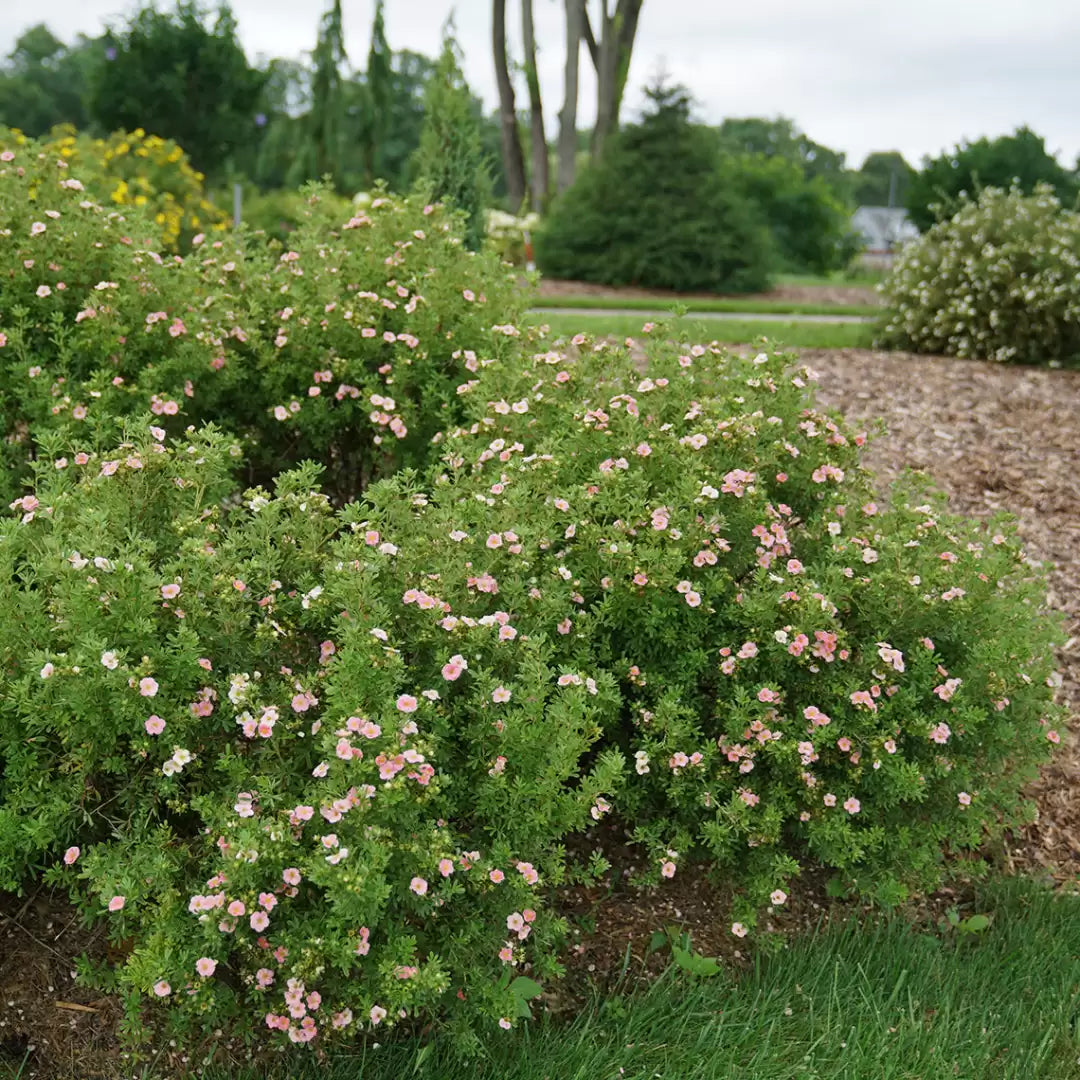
(656, 212)
(1000, 280)
(346, 348)
(809, 222)
(133, 169)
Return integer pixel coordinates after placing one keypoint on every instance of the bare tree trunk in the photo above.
(575, 29)
(513, 158)
(541, 169)
(611, 53)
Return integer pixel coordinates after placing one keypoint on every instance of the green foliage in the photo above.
(780, 138)
(809, 224)
(883, 174)
(346, 348)
(276, 765)
(1019, 160)
(320, 152)
(318, 771)
(181, 78)
(655, 211)
(44, 82)
(378, 82)
(806, 672)
(451, 164)
(999, 280)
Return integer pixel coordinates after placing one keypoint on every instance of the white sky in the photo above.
(856, 75)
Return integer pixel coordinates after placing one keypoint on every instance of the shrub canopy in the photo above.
(999, 280)
(655, 212)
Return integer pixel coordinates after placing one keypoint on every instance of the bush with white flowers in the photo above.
(1000, 280)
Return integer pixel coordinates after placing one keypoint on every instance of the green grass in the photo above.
(870, 1000)
(728, 331)
(857, 276)
(727, 304)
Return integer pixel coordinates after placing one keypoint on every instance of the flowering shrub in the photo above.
(135, 169)
(1000, 280)
(345, 348)
(312, 785)
(808, 671)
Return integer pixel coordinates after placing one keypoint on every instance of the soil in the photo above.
(992, 437)
(796, 294)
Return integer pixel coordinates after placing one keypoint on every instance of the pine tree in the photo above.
(655, 211)
(450, 162)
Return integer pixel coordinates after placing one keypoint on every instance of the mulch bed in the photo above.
(992, 438)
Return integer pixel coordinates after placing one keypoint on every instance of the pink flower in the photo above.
(667, 869)
(852, 805)
(259, 921)
(117, 902)
(964, 798)
(162, 988)
(500, 694)
(71, 855)
(148, 687)
(693, 599)
(829, 800)
(778, 897)
(738, 929)
(291, 876)
(1053, 736)
(236, 908)
(505, 1023)
(170, 592)
(205, 966)
(406, 703)
(377, 1014)
(446, 867)
(419, 886)
(496, 876)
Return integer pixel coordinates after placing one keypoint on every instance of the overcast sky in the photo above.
(856, 75)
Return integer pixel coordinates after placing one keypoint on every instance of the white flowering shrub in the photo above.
(1000, 280)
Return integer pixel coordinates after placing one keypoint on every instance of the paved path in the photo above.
(748, 316)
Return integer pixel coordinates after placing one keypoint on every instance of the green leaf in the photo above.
(695, 963)
(524, 988)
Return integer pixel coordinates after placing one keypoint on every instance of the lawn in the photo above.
(864, 998)
(795, 334)
(702, 304)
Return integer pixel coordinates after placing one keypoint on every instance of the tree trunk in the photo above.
(513, 158)
(575, 29)
(541, 170)
(611, 54)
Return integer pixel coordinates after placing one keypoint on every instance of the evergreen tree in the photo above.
(320, 151)
(451, 163)
(380, 88)
(655, 211)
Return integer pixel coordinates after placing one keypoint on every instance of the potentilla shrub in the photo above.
(310, 771)
(1000, 280)
(811, 671)
(132, 169)
(344, 348)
